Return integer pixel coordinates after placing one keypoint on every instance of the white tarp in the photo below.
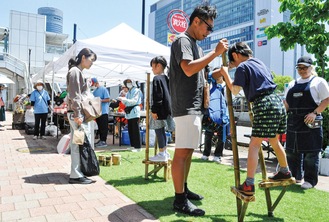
(122, 53)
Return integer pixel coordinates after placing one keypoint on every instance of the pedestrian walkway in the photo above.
(34, 183)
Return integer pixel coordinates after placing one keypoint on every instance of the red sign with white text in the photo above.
(177, 21)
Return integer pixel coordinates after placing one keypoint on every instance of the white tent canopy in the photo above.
(121, 52)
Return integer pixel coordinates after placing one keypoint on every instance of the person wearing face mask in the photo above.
(102, 121)
(40, 101)
(133, 100)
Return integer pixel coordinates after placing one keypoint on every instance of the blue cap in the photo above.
(94, 80)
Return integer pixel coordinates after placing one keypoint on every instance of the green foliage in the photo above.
(307, 28)
(213, 181)
(280, 81)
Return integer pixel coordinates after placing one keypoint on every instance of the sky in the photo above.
(93, 17)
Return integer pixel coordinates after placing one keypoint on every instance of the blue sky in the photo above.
(92, 17)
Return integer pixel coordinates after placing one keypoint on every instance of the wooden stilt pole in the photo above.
(146, 161)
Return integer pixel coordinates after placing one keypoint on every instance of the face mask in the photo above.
(129, 85)
(93, 87)
(39, 88)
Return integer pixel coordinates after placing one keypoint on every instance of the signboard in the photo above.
(170, 39)
(177, 21)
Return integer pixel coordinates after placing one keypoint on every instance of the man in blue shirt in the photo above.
(102, 121)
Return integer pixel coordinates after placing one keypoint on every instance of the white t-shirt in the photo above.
(319, 88)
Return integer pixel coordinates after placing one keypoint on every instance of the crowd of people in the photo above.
(178, 96)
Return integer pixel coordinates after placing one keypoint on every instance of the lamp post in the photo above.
(30, 62)
(143, 16)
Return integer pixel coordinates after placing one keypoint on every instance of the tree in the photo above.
(280, 81)
(307, 27)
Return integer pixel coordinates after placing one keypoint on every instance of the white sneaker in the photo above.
(217, 159)
(35, 137)
(204, 157)
(168, 155)
(43, 137)
(160, 157)
(306, 185)
(136, 150)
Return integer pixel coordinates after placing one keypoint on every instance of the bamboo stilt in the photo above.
(157, 165)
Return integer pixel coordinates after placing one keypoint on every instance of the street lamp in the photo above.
(30, 62)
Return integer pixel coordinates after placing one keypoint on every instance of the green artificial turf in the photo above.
(213, 181)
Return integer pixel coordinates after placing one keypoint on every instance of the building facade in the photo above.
(239, 20)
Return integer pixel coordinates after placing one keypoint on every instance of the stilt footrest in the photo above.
(283, 183)
(241, 196)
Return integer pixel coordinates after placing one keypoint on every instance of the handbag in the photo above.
(92, 108)
(78, 136)
(88, 160)
(170, 124)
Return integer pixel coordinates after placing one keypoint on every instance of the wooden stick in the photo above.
(233, 139)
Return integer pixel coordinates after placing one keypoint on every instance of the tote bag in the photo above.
(88, 159)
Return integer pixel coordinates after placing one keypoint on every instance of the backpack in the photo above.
(216, 116)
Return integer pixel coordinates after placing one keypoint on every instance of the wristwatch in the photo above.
(315, 112)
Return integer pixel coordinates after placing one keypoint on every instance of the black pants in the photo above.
(134, 133)
(207, 144)
(102, 123)
(43, 118)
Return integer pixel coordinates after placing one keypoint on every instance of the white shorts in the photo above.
(187, 131)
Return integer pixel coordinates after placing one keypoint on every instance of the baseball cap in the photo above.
(94, 80)
(305, 60)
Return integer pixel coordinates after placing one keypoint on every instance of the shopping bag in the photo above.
(88, 159)
(78, 136)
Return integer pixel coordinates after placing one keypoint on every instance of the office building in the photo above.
(240, 20)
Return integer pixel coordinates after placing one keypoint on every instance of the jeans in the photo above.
(75, 155)
(162, 138)
(310, 160)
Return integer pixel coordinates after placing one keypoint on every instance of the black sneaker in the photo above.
(247, 190)
(193, 196)
(279, 176)
(188, 208)
(81, 180)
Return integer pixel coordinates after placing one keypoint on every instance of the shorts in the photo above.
(188, 131)
(270, 117)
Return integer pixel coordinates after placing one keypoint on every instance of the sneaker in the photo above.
(217, 159)
(193, 196)
(188, 208)
(43, 137)
(160, 157)
(35, 137)
(97, 142)
(204, 157)
(81, 180)
(279, 176)
(299, 181)
(136, 150)
(168, 155)
(101, 144)
(306, 185)
(247, 190)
